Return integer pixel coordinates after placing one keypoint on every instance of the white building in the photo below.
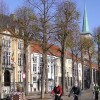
(36, 67)
(54, 69)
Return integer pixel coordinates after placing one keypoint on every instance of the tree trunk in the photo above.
(73, 78)
(99, 61)
(90, 68)
(63, 69)
(43, 76)
(77, 68)
(25, 70)
(46, 72)
(82, 69)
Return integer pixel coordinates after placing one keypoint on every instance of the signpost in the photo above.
(24, 76)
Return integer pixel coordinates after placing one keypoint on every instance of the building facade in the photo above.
(54, 69)
(11, 62)
(11, 66)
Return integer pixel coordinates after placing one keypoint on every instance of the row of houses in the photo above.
(12, 73)
(12, 68)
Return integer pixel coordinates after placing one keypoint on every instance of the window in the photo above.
(40, 69)
(34, 67)
(20, 76)
(34, 79)
(20, 59)
(6, 58)
(48, 70)
(34, 59)
(48, 60)
(41, 59)
(69, 61)
(51, 69)
(52, 60)
(6, 43)
(79, 72)
(19, 45)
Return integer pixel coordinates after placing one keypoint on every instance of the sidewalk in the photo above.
(36, 96)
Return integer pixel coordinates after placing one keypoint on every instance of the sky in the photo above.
(93, 10)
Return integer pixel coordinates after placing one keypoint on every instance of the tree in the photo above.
(86, 48)
(67, 17)
(73, 41)
(97, 41)
(45, 16)
(25, 23)
(4, 9)
(4, 18)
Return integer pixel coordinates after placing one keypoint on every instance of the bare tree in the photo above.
(88, 51)
(97, 42)
(4, 11)
(73, 41)
(44, 10)
(67, 17)
(26, 26)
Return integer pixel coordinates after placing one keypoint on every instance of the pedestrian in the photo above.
(75, 91)
(57, 91)
(95, 92)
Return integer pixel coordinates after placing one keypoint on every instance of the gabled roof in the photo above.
(55, 51)
(7, 31)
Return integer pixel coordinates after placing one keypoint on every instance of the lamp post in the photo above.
(95, 77)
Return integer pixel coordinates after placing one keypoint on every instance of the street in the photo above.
(86, 95)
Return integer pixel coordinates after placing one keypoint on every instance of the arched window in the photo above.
(6, 78)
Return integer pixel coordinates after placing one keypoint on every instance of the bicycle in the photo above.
(75, 96)
(56, 97)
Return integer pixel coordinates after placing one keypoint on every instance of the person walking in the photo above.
(75, 91)
(57, 91)
(96, 92)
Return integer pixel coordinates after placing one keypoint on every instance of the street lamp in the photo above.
(95, 76)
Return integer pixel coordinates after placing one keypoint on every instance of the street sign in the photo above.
(24, 76)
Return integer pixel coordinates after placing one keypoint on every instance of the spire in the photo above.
(85, 28)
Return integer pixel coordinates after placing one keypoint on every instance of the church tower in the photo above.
(86, 49)
(85, 28)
